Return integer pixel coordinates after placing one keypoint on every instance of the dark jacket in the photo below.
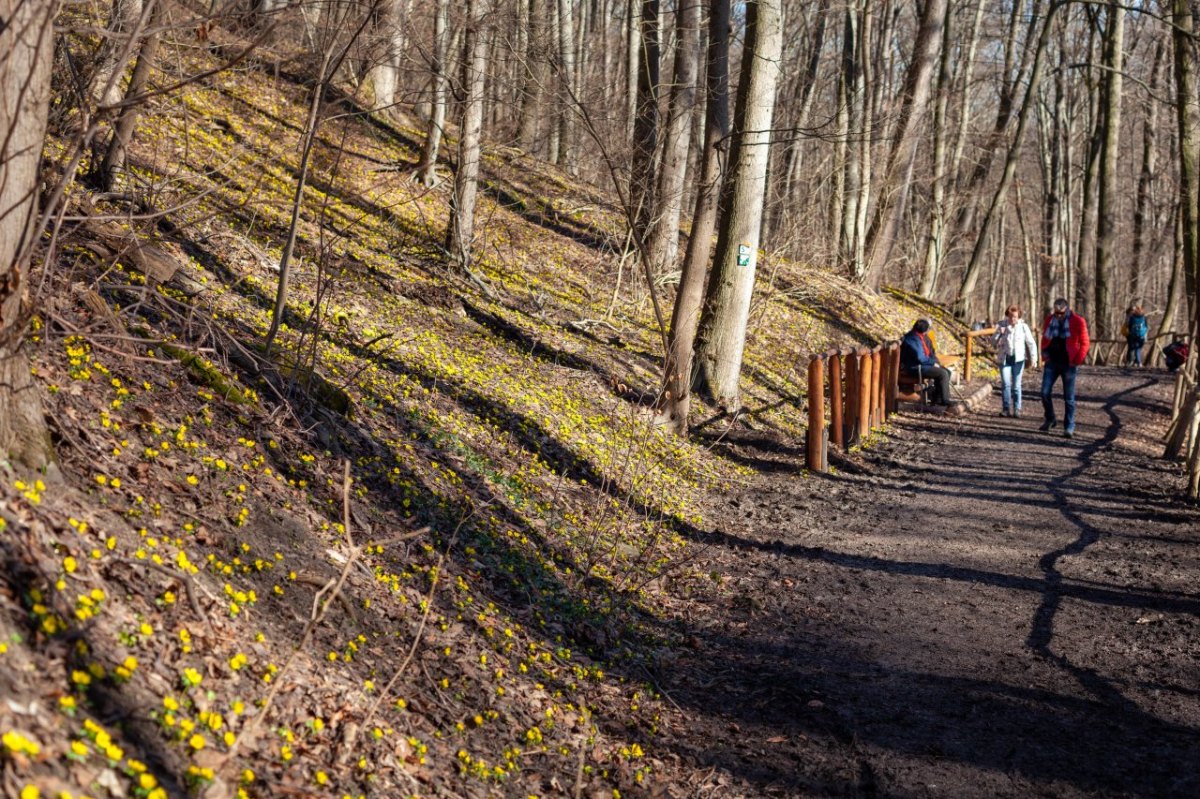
(916, 349)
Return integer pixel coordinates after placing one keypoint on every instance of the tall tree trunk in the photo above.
(1185, 16)
(897, 181)
(1175, 284)
(427, 168)
(461, 230)
(853, 93)
(723, 336)
(1054, 144)
(1106, 211)
(685, 316)
(1146, 177)
(532, 72)
(633, 65)
(1086, 237)
(568, 157)
(664, 233)
(935, 244)
(26, 52)
(384, 75)
(645, 136)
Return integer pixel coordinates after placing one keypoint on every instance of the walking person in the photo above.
(1065, 345)
(1136, 329)
(1014, 347)
(918, 359)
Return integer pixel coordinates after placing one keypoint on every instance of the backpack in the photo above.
(1138, 327)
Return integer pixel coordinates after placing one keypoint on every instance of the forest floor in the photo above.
(974, 608)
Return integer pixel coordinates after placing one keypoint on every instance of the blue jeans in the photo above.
(1135, 350)
(1010, 383)
(1051, 372)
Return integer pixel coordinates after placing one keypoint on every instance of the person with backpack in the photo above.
(1176, 354)
(1136, 330)
(1014, 346)
(1065, 345)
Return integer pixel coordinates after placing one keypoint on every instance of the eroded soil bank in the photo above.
(972, 608)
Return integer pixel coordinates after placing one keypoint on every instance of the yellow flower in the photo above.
(197, 741)
(69, 564)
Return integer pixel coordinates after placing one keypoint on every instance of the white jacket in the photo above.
(1016, 340)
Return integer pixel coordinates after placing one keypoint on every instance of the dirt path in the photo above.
(982, 610)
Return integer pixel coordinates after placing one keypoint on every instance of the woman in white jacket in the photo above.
(1014, 346)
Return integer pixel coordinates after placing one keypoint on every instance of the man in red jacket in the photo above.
(1065, 344)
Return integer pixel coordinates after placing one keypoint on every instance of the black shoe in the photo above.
(1068, 434)
(1016, 414)
(1048, 425)
(1004, 413)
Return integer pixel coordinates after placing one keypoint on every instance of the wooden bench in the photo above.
(910, 388)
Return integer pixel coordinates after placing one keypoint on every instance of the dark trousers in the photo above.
(1051, 371)
(940, 375)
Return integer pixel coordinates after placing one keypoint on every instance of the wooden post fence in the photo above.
(862, 388)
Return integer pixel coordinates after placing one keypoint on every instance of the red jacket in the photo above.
(1078, 342)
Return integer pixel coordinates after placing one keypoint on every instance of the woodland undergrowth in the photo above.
(430, 545)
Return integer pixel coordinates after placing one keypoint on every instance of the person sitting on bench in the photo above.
(918, 359)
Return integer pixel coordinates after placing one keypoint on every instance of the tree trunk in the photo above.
(723, 336)
(688, 299)
(853, 93)
(645, 135)
(633, 65)
(1185, 14)
(461, 230)
(114, 156)
(1146, 177)
(935, 245)
(427, 168)
(1106, 212)
(897, 181)
(568, 157)
(664, 234)
(384, 75)
(532, 72)
(26, 52)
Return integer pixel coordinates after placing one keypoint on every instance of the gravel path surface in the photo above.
(970, 608)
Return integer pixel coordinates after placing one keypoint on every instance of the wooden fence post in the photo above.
(816, 414)
(851, 420)
(967, 364)
(864, 392)
(879, 360)
(837, 435)
(894, 378)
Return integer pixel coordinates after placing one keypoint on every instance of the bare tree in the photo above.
(1106, 213)
(685, 316)
(645, 129)
(723, 327)
(26, 51)
(114, 156)
(461, 230)
(1185, 16)
(427, 168)
(664, 235)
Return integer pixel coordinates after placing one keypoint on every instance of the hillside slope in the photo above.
(420, 549)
